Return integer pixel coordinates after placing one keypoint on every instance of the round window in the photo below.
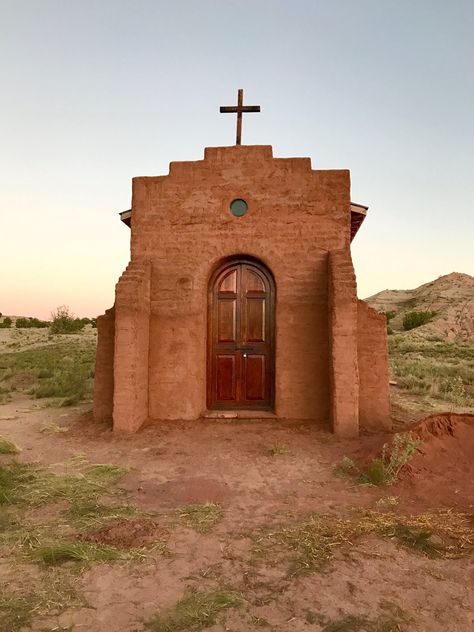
(238, 207)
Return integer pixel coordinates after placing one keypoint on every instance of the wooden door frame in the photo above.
(265, 270)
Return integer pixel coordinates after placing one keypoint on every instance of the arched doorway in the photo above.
(241, 337)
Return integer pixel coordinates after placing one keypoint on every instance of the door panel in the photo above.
(254, 368)
(225, 374)
(226, 323)
(254, 320)
(241, 337)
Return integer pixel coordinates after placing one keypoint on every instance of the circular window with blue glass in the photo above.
(238, 207)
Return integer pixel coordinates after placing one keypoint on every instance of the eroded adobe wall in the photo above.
(343, 362)
(104, 367)
(131, 352)
(182, 224)
(374, 395)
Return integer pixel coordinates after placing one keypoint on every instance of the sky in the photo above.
(95, 92)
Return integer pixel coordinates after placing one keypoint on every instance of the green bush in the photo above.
(384, 470)
(31, 323)
(6, 323)
(64, 321)
(411, 320)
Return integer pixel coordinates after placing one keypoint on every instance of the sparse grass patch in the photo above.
(201, 518)
(313, 541)
(195, 612)
(92, 514)
(47, 595)
(434, 368)
(30, 484)
(8, 447)
(15, 610)
(62, 370)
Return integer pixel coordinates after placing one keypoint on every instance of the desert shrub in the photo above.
(89, 321)
(454, 390)
(384, 470)
(64, 321)
(6, 323)
(390, 315)
(31, 323)
(411, 320)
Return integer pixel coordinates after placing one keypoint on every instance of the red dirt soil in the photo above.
(442, 469)
(126, 534)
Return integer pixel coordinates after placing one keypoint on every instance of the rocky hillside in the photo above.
(450, 296)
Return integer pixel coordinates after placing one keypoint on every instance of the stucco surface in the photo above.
(181, 229)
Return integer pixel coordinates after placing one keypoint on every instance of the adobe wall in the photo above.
(131, 351)
(374, 395)
(104, 367)
(343, 339)
(182, 225)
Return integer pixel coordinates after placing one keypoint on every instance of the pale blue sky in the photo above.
(96, 92)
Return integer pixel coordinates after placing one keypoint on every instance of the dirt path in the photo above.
(369, 584)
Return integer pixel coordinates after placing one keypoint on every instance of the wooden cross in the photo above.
(238, 109)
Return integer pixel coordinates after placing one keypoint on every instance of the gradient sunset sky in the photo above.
(96, 92)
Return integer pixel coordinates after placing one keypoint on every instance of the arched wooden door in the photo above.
(241, 349)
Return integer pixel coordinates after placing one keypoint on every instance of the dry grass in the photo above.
(30, 484)
(313, 541)
(8, 447)
(201, 518)
(52, 592)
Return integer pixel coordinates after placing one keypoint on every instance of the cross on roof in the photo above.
(238, 109)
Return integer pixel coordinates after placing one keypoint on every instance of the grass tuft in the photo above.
(8, 447)
(201, 518)
(277, 449)
(197, 611)
(60, 552)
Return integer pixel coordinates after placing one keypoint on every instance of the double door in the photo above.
(241, 337)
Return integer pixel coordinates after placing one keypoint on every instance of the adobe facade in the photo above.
(253, 313)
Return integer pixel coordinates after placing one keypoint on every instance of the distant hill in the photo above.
(451, 296)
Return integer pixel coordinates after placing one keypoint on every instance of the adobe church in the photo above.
(240, 298)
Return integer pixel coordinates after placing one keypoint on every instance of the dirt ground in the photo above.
(262, 474)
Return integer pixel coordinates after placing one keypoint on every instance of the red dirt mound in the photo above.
(442, 472)
(444, 425)
(126, 534)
